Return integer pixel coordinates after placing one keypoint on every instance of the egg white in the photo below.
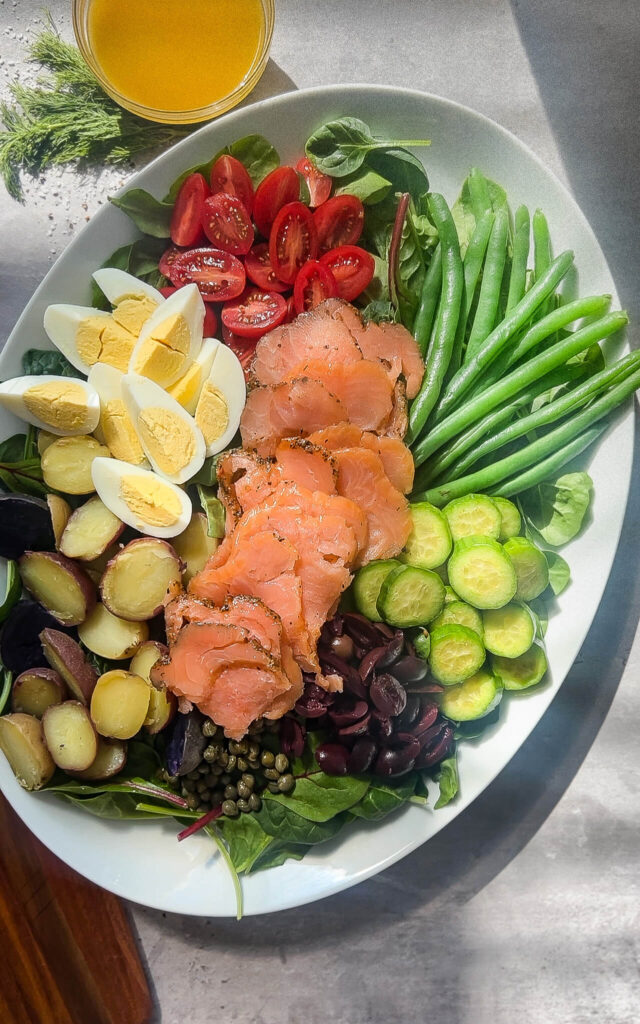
(227, 376)
(107, 475)
(204, 360)
(61, 323)
(12, 398)
(118, 284)
(140, 393)
(186, 302)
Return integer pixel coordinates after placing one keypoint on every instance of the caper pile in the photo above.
(234, 772)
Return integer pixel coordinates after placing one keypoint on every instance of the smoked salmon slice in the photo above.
(363, 389)
(395, 456)
(292, 408)
(311, 335)
(307, 464)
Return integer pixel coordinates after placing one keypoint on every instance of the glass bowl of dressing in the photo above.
(177, 63)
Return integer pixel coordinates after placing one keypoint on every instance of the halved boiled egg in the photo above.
(134, 300)
(78, 332)
(171, 338)
(172, 442)
(116, 427)
(221, 401)
(187, 389)
(141, 498)
(61, 405)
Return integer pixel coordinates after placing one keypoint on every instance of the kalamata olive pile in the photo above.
(385, 721)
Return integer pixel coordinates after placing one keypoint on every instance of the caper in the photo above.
(286, 783)
(194, 775)
(272, 774)
(225, 779)
(243, 790)
(253, 764)
(238, 746)
(242, 764)
(230, 793)
(249, 781)
(203, 768)
(255, 803)
(223, 758)
(254, 750)
(202, 808)
(217, 796)
(267, 759)
(188, 786)
(256, 727)
(229, 807)
(216, 769)
(209, 728)
(212, 752)
(211, 779)
(201, 787)
(273, 787)
(231, 763)
(192, 801)
(243, 805)
(282, 762)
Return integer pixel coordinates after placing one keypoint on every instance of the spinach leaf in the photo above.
(113, 805)
(369, 186)
(36, 361)
(464, 209)
(559, 572)
(277, 819)
(149, 214)
(20, 470)
(405, 172)
(139, 258)
(448, 781)
(214, 510)
(419, 236)
(275, 854)
(557, 508)
(245, 839)
(541, 613)
(383, 798)
(13, 590)
(207, 474)
(254, 151)
(14, 448)
(340, 147)
(378, 311)
(320, 797)
(100, 664)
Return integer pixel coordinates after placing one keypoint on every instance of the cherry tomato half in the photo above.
(242, 347)
(218, 275)
(186, 218)
(352, 269)
(292, 241)
(319, 184)
(291, 310)
(314, 284)
(230, 176)
(259, 270)
(275, 191)
(339, 221)
(226, 224)
(167, 259)
(254, 313)
(210, 324)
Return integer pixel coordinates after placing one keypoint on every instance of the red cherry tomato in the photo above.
(254, 313)
(292, 241)
(242, 347)
(339, 221)
(352, 269)
(314, 283)
(226, 224)
(187, 210)
(210, 324)
(278, 188)
(291, 310)
(230, 176)
(218, 275)
(167, 259)
(259, 270)
(319, 184)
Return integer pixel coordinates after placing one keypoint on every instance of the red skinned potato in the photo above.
(37, 689)
(95, 569)
(70, 736)
(60, 510)
(136, 581)
(90, 530)
(162, 704)
(22, 743)
(120, 704)
(59, 585)
(67, 658)
(109, 761)
(110, 636)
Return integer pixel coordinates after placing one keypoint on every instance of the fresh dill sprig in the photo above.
(67, 117)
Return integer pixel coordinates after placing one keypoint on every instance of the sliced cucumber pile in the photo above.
(463, 579)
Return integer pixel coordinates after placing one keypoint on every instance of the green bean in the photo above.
(487, 310)
(542, 255)
(469, 372)
(547, 467)
(490, 475)
(472, 264)
(431, 289)
(551, 412)
(521, 238)
(482, 404)
(478, 192)
(448, 313)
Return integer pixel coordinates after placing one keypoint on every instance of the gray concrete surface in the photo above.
(526, 907)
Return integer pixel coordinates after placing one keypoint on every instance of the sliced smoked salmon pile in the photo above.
(317, 490)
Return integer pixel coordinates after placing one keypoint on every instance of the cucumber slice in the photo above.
(474, 515)
(508, 631)
(422, 644)
(531, 567)
(429, 543)
(511, 520)
(474, 698)
(457, 652)
(366, 586)
(450, 595)
(410, 596)
(481, 572)
(457, 613)
(521, 673)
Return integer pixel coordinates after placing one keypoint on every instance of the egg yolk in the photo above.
(107, 340)
(167, 438)
(117, 346)
(212, 414)
(158, 362)
(174, 332)
(187, 388)
(89, 339)
(58, 405)
(152, 500)
(132, 312)
(119, 432)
